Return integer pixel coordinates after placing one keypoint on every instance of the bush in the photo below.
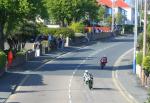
(128, 28)
(42, 29)
(53, 31)
(146, 63)
(139, 58)
(140, 41)
(2, 60)
(65, 32)
(21, 53)
(77, 27)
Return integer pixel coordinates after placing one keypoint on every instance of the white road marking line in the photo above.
(118, 84)
(70, 81)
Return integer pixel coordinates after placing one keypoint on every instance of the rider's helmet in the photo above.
(86, 71)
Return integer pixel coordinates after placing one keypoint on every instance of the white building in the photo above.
(120, 6)
(130, 15)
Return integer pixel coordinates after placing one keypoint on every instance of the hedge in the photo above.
(146, 63)
(77, 27)
(139, 58)
(2, 60)
(21, 53)
(128, 28)
(65, 32)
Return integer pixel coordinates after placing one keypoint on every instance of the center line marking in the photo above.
(75, 70)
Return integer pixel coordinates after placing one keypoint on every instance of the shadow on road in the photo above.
(103, 88)
(122, 40)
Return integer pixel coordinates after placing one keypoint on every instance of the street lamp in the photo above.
(135, 36)
(112, 26)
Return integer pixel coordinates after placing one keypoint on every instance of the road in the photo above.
(60, 81)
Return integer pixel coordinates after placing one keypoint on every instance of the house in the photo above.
(108, 6)
(120, 6)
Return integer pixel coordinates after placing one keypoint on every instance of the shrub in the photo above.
(21, 53)
(139, 58)
(2, 60)
(140, 41)
(128, 28)
(42, 29)
(65, 32)
(53, 31)
(77, 27)
(146, 63)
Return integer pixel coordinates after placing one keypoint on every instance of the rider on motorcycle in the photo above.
(87, 76)
(103, 61)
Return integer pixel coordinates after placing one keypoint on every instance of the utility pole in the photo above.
(144, 37)
(112, 26)
(145, 25)
(135, 35)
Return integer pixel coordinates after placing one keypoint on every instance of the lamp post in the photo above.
(135, 35)
(145, 25)
(112, 26)
(144, 39)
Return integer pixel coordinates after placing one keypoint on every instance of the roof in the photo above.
(121, 4)
(105, 2)
(118, 3)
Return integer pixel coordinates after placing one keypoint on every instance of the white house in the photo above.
(120, 6)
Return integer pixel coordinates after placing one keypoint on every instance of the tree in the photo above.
(66, 11)
(11, 12)
(77, 27)
(109, 20)
(20, 35)
(119, 18)
(59, 10)
(16, 15)
(101, 13)
(148, 38)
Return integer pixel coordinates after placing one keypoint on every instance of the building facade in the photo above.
(121, 7)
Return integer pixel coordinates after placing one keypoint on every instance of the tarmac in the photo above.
(129, 81)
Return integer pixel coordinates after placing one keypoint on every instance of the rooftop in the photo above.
(118, 3)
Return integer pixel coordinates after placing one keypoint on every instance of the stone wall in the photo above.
(91, 37)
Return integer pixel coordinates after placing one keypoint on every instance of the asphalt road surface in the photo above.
(61, 80)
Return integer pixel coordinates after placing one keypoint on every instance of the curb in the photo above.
(118, 84)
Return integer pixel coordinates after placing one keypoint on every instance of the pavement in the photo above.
(12, 78)
(128, 81)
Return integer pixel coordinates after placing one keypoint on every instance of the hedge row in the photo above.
(77, 27)
(2, 60)
(146, 65)
(57, 32)
(139, 58)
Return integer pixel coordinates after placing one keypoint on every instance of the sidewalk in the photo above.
(10, 80)
(130, 81)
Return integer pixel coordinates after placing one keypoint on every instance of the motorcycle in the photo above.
(89, 82)
(103, 65)
(103, 62)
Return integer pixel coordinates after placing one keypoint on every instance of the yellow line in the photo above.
(118, 84)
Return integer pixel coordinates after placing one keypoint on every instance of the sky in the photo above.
(128, 1)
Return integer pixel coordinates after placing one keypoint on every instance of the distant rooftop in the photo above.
(118, 3)
(107, 3)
